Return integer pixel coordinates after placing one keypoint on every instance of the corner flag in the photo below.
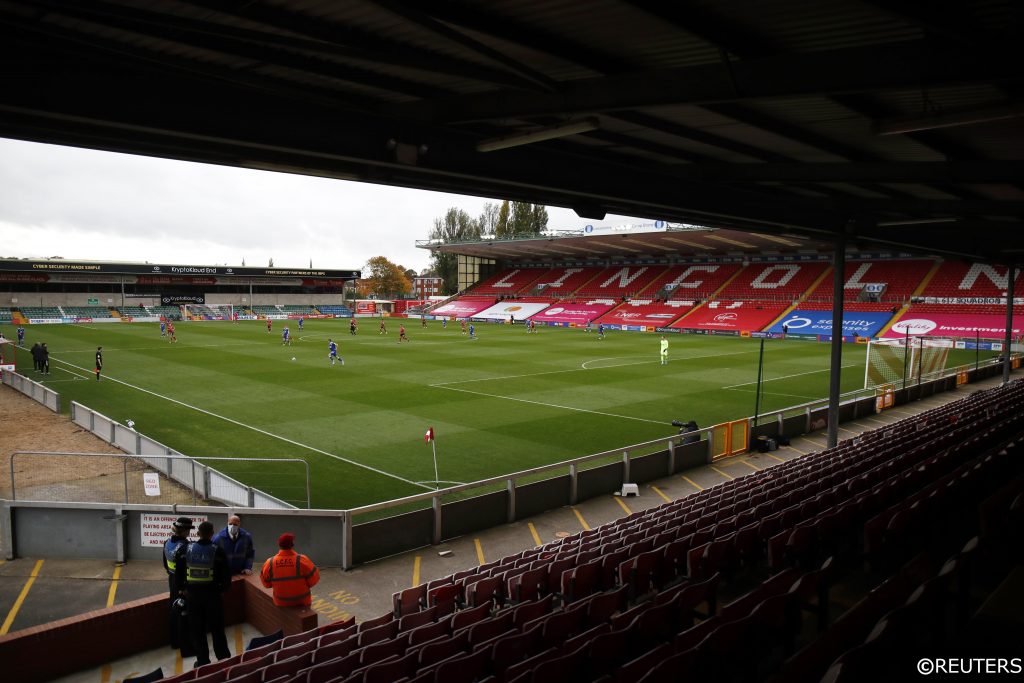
(429, 436)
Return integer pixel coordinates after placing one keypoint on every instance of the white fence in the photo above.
(205, 481)
(34, 390)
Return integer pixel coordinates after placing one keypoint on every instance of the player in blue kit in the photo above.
(472, 331)
(286, 339)
(21, 336)
(163, 328)
(600, 330)
(300, 323)
(332, 354)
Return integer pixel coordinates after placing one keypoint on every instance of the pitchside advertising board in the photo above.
(157, 528)
(953, 325)
(627, 316)
(820, 323)
(506, 309)
(461, 309)
(573, 314)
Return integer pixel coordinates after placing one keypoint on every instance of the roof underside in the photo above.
(776, 117)
(682, 244)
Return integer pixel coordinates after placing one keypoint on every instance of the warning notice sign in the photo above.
(157, 528)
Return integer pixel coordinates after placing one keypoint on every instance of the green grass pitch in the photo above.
(505, 402)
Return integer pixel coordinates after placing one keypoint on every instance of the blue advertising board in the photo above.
(820, 323)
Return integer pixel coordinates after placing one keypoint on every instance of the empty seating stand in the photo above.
(675, 592)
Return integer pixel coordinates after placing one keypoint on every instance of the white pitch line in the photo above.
(157, 348)
(443, 385)
(551, 405)
(255, 429)
(584, 364)
(798, 374)
(776, 393)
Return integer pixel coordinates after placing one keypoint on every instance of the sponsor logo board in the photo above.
(819, 323)
(179, 299)
(460, 308)
(574, 313)
(506, 309)
(649, 318)
(734, 318)
(953, 325)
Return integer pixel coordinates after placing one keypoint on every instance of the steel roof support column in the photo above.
(836, 366)
(1011, 274)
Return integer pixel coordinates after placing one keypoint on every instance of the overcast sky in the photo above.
(88, 205)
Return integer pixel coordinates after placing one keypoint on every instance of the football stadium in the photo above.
(773, 431)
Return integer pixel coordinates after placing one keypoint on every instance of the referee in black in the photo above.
(99, 361)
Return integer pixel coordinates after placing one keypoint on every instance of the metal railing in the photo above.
(212, 485)
(34, 390)
(93, 484)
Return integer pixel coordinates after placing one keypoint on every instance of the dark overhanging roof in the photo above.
(683, 244)
(750, 116)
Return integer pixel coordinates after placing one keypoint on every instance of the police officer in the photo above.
(178, 539)
(202, 574)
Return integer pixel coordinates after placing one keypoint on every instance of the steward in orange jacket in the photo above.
(289, 574)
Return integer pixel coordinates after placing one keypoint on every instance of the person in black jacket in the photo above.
(177, 539)
(99, 361)
(202, 574)
(44, 358)
(37, 357)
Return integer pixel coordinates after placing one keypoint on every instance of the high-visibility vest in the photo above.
(199, 563)
(170, 550)
(290, 575)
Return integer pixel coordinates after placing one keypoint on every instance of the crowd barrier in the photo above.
(34, 390)
(203, 480)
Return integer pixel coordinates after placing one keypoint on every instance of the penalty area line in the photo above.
(255, 429)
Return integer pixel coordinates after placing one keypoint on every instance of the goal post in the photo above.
(905, 360)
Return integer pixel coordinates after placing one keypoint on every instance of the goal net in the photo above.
(895, 361)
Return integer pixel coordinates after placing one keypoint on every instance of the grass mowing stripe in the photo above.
(553, 405)
(255, 429)
(796, 374)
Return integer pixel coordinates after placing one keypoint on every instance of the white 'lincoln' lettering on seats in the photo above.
(790, 270)
(1000, 281)
(623, 277)
(504, 282)
(854, 282)
(678, 282)
(569, 272)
